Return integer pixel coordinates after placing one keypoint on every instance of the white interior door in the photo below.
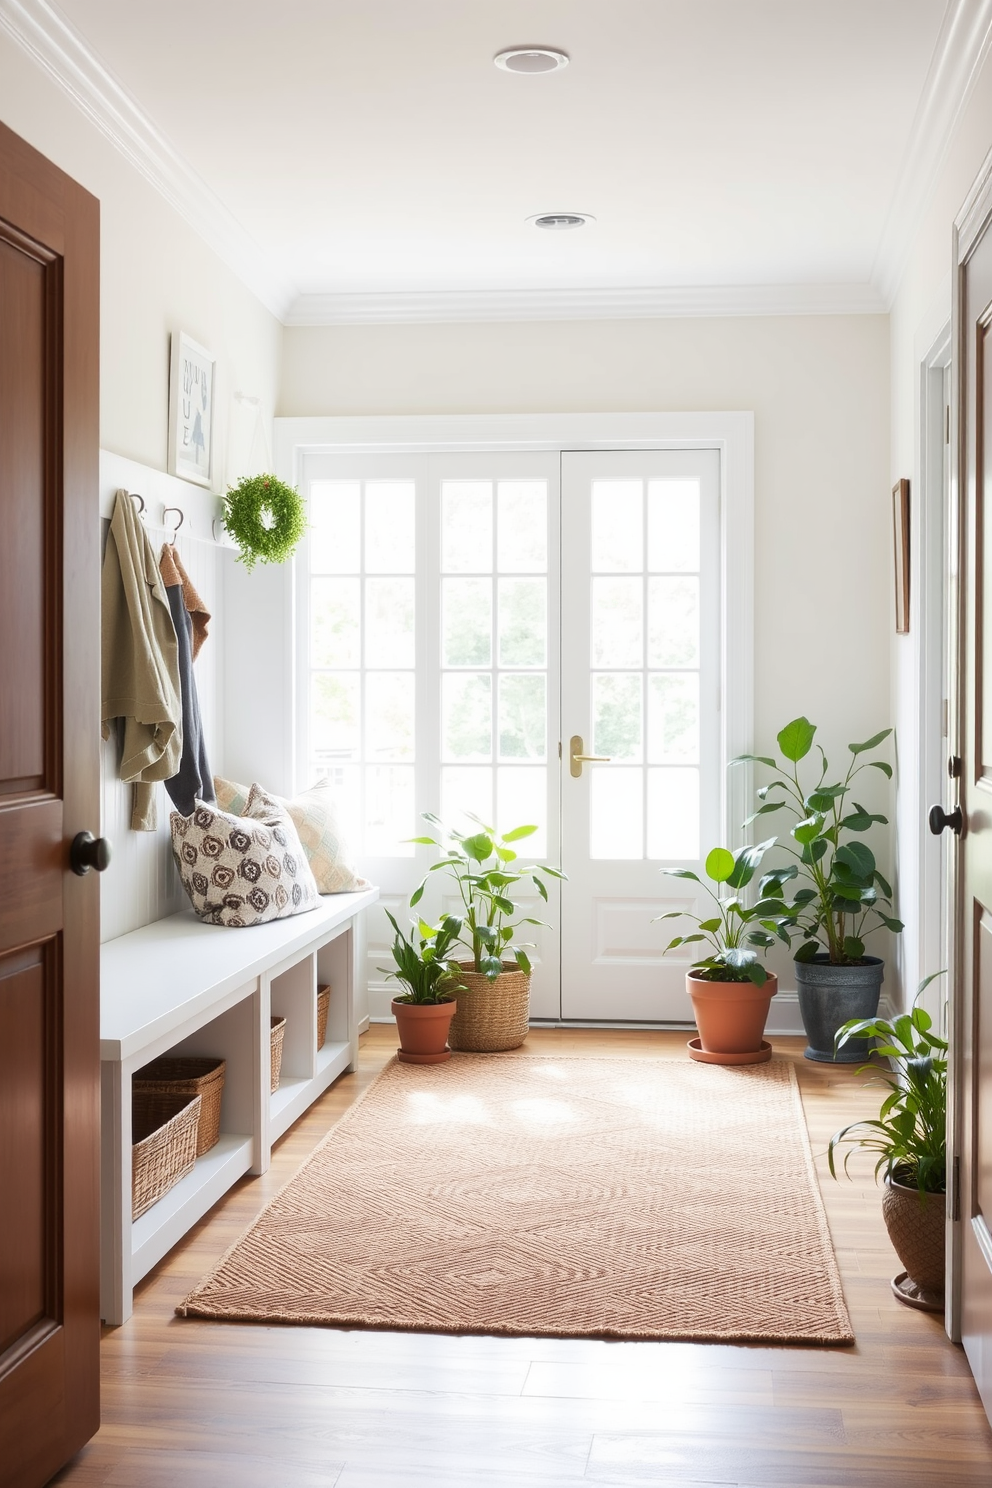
(641, 685)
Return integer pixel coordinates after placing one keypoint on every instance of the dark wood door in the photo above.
(49, 791)
(972, 989)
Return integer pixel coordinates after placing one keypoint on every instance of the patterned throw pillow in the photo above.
(242, 870)
(315, 818)
(231, 796)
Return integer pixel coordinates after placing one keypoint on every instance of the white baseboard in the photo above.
(784, 1019)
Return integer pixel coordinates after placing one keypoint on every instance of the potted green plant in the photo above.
(494, 1000)
(424, 966)
(842, 896)
(910, 1137)
(731, 989)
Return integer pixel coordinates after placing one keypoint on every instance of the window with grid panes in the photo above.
(362, 656)
(494, 653)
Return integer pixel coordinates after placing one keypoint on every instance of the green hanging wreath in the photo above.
(266, 518)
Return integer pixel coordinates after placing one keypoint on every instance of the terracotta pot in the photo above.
(916, 1229)
(730, 1017)
(492, 1015)
(423, 1029)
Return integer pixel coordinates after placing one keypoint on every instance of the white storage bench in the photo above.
(179, 986)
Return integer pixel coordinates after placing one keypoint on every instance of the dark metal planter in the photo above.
(830, 996)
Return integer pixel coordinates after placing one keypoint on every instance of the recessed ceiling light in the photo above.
(561, 221)
(531, 59)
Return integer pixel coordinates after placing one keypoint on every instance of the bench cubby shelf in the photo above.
(179, 986)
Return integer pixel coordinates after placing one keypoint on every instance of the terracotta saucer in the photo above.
(914, 1296)
(405, 1058)
(754, 1056)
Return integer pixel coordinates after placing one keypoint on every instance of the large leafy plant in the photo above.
(737, 933)
(488, 873)
(910, 1132)
(424, 963)
(842, 896)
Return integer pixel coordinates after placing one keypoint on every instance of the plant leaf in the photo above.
(518, 832)
(871, 743)
(796, 739)
(858, 858)
(719, 864)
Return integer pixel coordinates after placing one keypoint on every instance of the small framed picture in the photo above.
(900, 533)
(191, 411)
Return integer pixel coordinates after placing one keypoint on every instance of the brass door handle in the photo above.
(576, 759)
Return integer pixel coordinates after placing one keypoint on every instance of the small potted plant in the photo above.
(731, 989)
(842, 896)
(494, 998)
(423, 965)
(910, 1137)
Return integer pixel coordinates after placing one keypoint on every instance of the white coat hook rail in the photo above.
(180, 514)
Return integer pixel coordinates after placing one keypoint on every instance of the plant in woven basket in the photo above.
(487, 872)
(266, 518)
(910, 1132)
(423, 963)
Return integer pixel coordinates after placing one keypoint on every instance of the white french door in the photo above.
(641, 695)
(466, 617)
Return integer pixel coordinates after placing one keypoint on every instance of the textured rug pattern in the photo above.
(619, 1198)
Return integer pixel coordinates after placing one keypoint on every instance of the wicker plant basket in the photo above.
(163, 1135)
(916, 1228)
(491, 1016)
(278, 1034)
(189, 1075)
(323, 1007)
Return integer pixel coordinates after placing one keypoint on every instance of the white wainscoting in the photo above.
(141, 884)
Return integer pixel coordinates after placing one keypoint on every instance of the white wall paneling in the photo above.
(141, 884)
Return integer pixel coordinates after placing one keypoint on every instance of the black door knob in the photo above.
(939, 819)
(88, 852)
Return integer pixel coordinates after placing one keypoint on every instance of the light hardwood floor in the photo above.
(191, 1404)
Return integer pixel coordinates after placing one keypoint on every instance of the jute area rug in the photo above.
(605, 1198)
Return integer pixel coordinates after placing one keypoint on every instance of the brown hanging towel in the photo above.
(140, 671)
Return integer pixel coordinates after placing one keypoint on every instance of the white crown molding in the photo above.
(584, 304)
(960, 50)
(962, 45)
(53, 43)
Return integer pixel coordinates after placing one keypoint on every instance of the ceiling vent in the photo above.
(561, 221)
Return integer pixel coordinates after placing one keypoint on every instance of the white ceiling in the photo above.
(371, 147)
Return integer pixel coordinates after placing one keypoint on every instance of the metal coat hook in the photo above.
(180, 514)
(140, 500)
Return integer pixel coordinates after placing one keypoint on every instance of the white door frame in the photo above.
(732, 433)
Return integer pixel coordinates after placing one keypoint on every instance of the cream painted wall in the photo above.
(157, 275)
(818, 386)
(819, 389)
(921, 306)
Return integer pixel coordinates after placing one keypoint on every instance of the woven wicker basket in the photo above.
(163, 1134)
(188, 1075)
(323, 1007)
(278, 1034)
(491, 1016)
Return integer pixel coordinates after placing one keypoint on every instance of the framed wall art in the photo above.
(191, 411)
(900, 535)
